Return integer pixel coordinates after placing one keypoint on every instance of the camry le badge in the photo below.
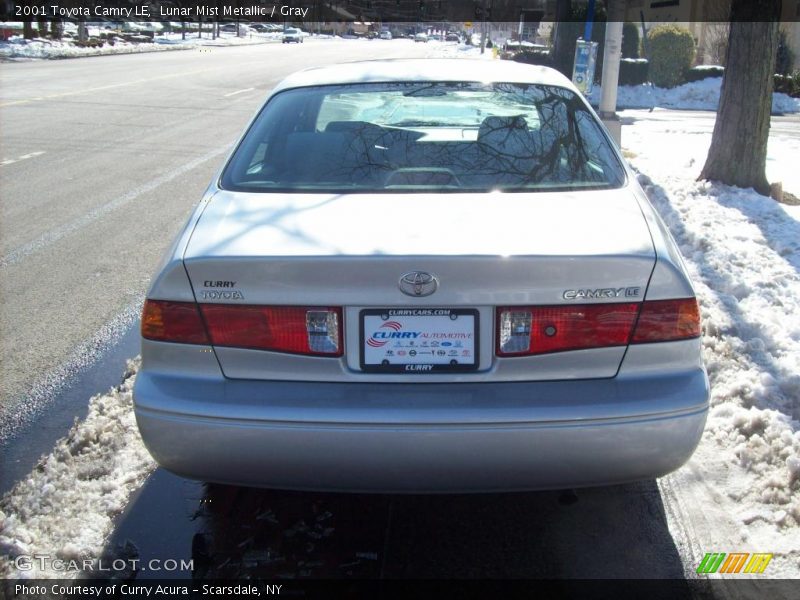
(418, 283)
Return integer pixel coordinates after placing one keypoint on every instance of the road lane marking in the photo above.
(238, 92)
(66, 229)
(103, 87)
(118, 85)
(129, 83)
(11, 161)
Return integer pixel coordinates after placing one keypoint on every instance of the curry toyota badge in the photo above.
(418, 283)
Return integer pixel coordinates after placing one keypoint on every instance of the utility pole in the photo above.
(483, 26)
(611, 57)
(587, 31)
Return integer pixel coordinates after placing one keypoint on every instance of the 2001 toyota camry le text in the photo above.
(422, 276)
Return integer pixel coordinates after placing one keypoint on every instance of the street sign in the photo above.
(468, 24)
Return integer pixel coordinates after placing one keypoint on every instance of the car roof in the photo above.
(426, 69)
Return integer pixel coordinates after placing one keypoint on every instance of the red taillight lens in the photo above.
(295, 329)
(667, 320)
(527, 330)
(167, 321)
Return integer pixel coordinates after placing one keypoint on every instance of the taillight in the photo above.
(527, 330)
(667, 320)
(295, 329)
(167, 321)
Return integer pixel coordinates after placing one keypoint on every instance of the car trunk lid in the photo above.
(486, 250)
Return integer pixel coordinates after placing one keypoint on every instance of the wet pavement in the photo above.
(242, 533)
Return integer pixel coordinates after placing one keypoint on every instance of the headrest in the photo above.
(354, 127)
(502, 126)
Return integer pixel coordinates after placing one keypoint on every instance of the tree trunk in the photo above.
(562, 54)
(56, 29)
(27, 30)
(738, 152)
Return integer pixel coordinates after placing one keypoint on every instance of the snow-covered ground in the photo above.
(456, 50)
(17, 47)
(741, 489)
(64, 508)
(697, 95)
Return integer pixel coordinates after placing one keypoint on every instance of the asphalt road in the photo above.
(102, 160)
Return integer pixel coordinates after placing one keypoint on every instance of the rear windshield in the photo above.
(421, 137)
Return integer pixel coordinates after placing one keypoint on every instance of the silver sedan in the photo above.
(422, 276)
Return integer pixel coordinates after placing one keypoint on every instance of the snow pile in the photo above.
(782, 168)
(224, 39)
(743, 250)
(750, 296)
(457, 50)
(43, 48)
(696, 95)
(64, 509)
(17, 47)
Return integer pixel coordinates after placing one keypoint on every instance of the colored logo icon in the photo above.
(734, 562)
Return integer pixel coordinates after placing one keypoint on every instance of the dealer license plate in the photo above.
(419, 340)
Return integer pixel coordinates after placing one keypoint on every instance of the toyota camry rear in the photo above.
(422, 276)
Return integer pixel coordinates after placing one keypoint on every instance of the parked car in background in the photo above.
(293, 35)
(231, 28)
(452, 37)
(423, 276)
(420, 37)
(385, 34)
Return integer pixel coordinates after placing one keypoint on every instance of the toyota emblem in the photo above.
(418, 284)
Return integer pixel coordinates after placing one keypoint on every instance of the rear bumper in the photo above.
(422, 437)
